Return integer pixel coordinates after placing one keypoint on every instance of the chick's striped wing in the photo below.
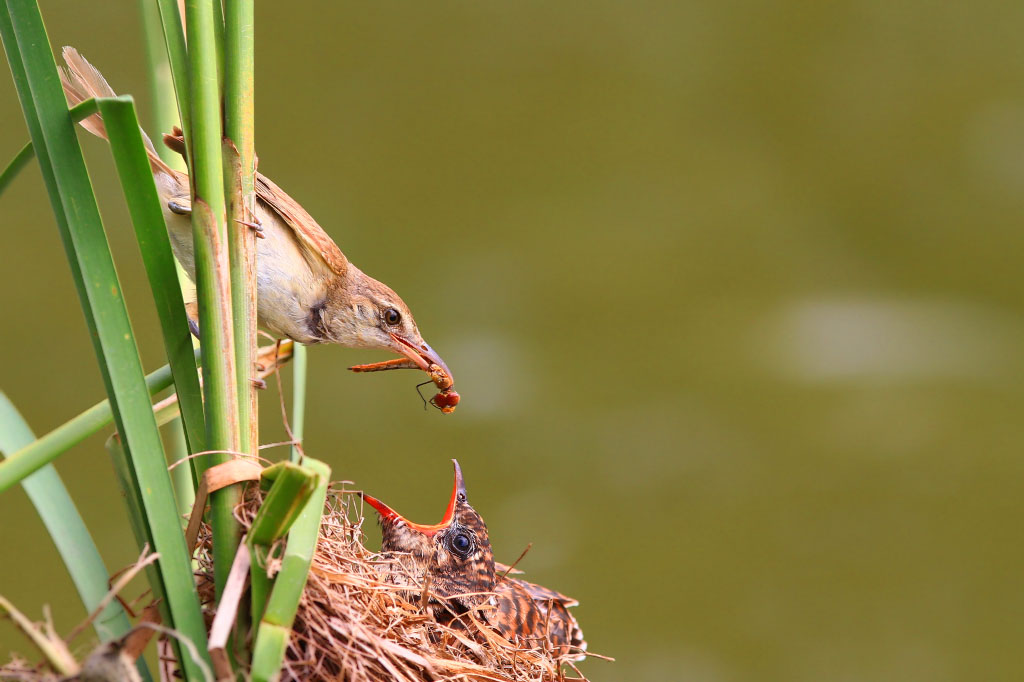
(547, 617)
(517, 615)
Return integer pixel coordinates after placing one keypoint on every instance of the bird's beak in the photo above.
(387, 513)
(423, 355)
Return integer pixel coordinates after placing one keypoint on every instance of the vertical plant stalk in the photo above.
(213, 283)
(164, 118)
(181, 475)
(177, 59)
(239, 180)
(161, 83)
(240, 164)
(218, 42)
(298, 415)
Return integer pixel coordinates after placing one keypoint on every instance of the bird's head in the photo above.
(372, 315)
(455, 552)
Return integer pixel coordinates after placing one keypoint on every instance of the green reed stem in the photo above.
(213, 283)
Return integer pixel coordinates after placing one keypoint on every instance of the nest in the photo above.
(363, 618)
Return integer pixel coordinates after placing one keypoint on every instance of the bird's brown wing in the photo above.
(313, 239)
(536, 613)
(541, 593)
(562, 630)
(311, 236)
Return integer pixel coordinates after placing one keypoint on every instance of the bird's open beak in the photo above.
(390, 514)
(423, 355)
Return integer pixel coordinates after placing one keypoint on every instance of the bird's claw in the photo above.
(260, 384)
(255, 225)
(179, 208)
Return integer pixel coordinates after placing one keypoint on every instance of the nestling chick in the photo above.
(454, 558)
(307, 289)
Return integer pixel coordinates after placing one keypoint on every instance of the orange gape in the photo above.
(454, 557)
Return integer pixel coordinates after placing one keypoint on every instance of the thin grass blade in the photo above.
(19, 161)
(53, 649)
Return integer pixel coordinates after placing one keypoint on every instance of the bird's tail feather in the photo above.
(82, 81)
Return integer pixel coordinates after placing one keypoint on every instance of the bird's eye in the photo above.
(392, 316)
(461, 544)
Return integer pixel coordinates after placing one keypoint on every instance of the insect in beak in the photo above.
(425, 358)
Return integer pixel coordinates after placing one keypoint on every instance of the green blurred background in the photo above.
(732, 292)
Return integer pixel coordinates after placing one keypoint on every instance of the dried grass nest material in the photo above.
(356, 624)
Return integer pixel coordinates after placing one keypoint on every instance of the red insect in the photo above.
(445, 400)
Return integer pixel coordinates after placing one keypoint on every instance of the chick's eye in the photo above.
(392, 316)
(461, 543)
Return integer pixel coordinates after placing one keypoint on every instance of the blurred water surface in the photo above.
(732, 292)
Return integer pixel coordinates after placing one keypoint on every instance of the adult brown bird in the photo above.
(307, 289)
(454, 558)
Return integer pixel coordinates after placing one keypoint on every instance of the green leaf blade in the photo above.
(275, 625)
(70, 190)
(65, 526)
(143, 200)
